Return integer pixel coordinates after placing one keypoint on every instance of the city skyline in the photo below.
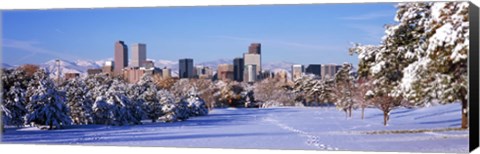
(293, 33)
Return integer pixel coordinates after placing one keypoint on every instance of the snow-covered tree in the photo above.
(344, 89)
(273, 92)
(6, 116)
(314, 90)
(101, 111)
(79, 101)
(123, 110)
(145, 94)
(206, 90)
(423, 56)
(46, 106)
(231, 93)
(440, 71)
(196, 105)
(362, 86)
(169, 108)
(113, 107)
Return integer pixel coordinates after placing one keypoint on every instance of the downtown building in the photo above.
(329, 70)
(120, 58)
(297, 71)
(225, 72)
(315, 69)
(250, 73)
(253, 58)
(139, 55)
(185, 69)
(238, 68)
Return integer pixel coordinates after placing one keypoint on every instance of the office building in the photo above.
(185, 68)
(314, 69)
(297, 71)
(253, 59)
(108, 68)
(94, 71)
(329, 70)
(238, 65)
(139, 55)
(166, 72)
(250, 73)
(225, 72)
(255, 48)
(121, 58)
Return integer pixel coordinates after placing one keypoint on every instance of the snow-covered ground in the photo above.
(315, 128)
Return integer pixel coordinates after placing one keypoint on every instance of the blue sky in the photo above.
(304, 34)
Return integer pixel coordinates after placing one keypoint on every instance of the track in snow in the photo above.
(312, 140)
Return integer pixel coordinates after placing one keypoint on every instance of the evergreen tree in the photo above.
(169, 108)
(344, 89)
(101, 111)
(196, 105)
(121, 107)
(146, 92)
(46, 105)
(79, 101)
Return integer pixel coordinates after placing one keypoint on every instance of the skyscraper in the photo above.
(139, 55)
(253, 59)
(238, 65)
(255, 48)
(315, 69)
(185, 68)
(297, 71)
(329, 70)
(250, 73)
(121, 58)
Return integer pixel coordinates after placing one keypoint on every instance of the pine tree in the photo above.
(79, 101)
(122, 109)
(344, 89)
(196, 105)
(46, 105)
(146, 96)
(101, 111)
(169, 108)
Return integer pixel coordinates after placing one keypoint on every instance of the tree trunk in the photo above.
(363, 112)
(350, 111)
(464, 113)
(50, 127)
(385, 118)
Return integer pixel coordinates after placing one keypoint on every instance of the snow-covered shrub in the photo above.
(46, 106)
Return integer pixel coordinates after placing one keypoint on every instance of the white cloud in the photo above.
(34, 49)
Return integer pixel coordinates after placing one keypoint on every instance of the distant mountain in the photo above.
(78, 66)
(5, 65)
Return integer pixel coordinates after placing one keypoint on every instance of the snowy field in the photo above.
(315, 128)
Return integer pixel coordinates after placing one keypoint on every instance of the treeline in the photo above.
(31, 97)
(421, 59)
